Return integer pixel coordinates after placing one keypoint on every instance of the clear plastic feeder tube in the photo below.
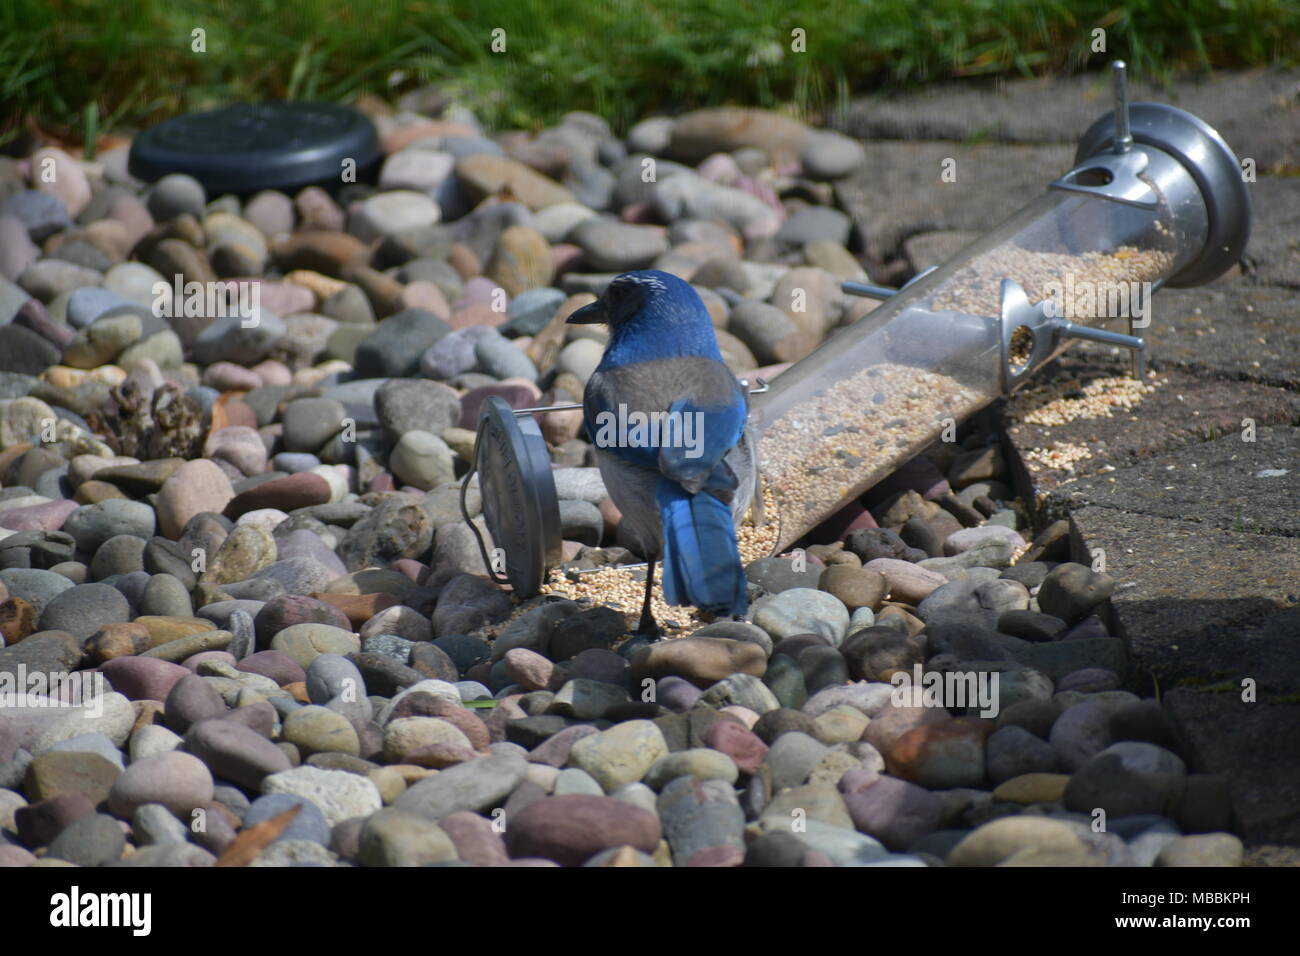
(878, 392)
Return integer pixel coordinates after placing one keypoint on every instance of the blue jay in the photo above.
(680, 491)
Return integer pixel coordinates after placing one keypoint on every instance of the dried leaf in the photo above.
(245, 847)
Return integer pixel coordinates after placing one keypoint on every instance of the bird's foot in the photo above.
(648, 627)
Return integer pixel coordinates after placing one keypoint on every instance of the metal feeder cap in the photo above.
(1209, 160)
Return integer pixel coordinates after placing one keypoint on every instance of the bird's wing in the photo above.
(710, 432)
(703, 408)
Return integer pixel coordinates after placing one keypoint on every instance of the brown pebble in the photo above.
(384, 292)
(164, 629)
(237, 411)
(464, 720)
(227, 816)
(17, 620)
(462, 258)
(219, 418)
(914, 624)
(359, 608)
(146, 712)
(11, 455)
(121, 639)
(702, 661)
(318, 212)
(93, 492)
(319, 251)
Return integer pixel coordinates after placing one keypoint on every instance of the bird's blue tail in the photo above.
(701, 563)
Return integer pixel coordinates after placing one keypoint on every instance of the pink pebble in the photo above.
(715, 856)
(524, 383)
(425, 295)
(411, 568)
(43, 517)
(286, 298)
(194, 661)
(565, 257)
(638, 212)
(464, 317)
(229, 377)
(480, 291)
(273, 373)
(720, 168)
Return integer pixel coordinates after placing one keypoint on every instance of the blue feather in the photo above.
(701, 563)
(719, 428)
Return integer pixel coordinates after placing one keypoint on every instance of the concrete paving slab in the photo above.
(1230, 331)
(899, 192)
(1256, 111)
(1185, 408)
(1254, 745)
(1229, 484)
(1274, 248)
(1199, 605)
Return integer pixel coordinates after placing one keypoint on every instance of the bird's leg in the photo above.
(648, 626)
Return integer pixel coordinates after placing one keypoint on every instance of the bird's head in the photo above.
(649, 295)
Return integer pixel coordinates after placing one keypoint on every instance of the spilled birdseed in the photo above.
(1068, 400)
(1061, 402)
(1060, 456)
(624, 590)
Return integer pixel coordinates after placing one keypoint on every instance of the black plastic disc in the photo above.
(249, 147)
(519, 500)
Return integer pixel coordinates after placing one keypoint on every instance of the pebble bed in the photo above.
(249, 535)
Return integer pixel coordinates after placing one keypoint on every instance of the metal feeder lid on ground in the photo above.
(519, 501)
(1156, 198)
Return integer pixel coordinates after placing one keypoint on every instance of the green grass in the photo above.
(70, 64)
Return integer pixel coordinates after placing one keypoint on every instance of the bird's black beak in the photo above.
(592, 314)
